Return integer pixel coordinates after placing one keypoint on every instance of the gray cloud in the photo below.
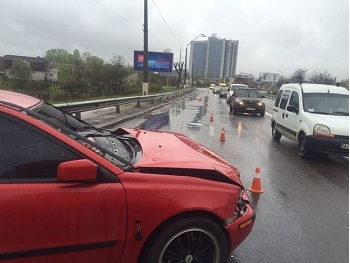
(275, 36)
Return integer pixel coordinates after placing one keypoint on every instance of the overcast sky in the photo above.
(276, 36)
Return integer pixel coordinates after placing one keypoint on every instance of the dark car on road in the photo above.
(223, 92)
(71, 192)
(247, 100)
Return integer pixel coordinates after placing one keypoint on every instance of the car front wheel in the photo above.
(189, 240)
(304, 151)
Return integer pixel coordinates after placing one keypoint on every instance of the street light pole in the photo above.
(145, 51)
(185, 74)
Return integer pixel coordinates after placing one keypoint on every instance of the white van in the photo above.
(316, 116)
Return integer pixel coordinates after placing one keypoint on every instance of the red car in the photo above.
(71, 192)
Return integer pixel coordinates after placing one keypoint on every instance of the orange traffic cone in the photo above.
(211, 117)
(222, 135)
(256, 184)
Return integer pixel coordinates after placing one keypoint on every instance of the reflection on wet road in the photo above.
(302, 216)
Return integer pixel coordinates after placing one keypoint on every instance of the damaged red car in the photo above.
(71, 192)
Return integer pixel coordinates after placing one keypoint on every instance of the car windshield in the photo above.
(326, 103)
(122, 150)
(251, 93)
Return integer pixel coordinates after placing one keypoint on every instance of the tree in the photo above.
(94, 71)
(79, 70)
(59, 56)
(344, 83)
(299, 75)
(118, 74)
(322, 78)
(178, 67)
(21, 71)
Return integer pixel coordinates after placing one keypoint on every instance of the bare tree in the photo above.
(299, 75)
(322, 78)
(178, 67)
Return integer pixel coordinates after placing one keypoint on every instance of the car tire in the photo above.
(304, 151)
(262, 113)
(194, 239)
(275, 134)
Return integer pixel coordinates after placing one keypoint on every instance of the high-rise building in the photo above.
(214, 58)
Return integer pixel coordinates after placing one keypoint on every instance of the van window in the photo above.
(278, 98)
(294, 99)
(326, 103)
(284, 99)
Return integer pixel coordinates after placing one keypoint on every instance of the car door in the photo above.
(44, 220)
(288, 120)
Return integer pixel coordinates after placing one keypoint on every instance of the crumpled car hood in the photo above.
(175, 150)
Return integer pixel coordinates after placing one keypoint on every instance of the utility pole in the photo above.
(145, 51)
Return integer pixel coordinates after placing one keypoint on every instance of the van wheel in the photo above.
(304, 152)
(275, 134)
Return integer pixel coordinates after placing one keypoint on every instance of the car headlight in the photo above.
(240, 102)
(322, 131)
(261, 103)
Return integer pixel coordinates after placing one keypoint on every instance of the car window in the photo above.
(284, 99)
(294, 99)
(27, 154)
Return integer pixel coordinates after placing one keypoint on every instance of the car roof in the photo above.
(18, 99)
(318, 88)
(238, 85)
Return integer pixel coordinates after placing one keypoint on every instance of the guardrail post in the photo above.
(138, 104)
(117, 108)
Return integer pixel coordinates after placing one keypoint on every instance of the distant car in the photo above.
(71, 192)
(216, 89)
(211, 86)
(223, 92)
(316, 116)
(247, 100)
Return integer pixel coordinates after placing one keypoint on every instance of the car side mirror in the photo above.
(77, 170)
(292, 108)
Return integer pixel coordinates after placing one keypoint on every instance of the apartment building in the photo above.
(214, 58)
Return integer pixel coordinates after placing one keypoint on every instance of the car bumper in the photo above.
(250, 109)
(337, 146)
(240, 228)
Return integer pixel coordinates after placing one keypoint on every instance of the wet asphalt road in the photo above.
(302, 216)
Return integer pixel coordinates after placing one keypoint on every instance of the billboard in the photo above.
(157, 61)
(269, 77)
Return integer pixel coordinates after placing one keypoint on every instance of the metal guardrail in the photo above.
(77, 108)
